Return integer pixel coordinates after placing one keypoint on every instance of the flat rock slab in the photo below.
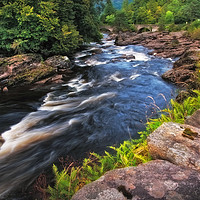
(154, 180)
(177, 143)
(194, 120)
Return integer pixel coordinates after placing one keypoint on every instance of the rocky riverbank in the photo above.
(32, 69)
(174, 175)
(169, 45)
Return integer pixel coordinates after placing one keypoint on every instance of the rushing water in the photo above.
(106, 103)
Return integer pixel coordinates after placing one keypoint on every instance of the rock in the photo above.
(5, 89)
(184, 94)
(28, 69)
(177, 143)
(153, 180)
(61, 63)
(181, 77)
(1, 141)
(188, 58)
(194, 120)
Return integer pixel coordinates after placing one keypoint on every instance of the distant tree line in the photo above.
(151, 12)
(47, 26)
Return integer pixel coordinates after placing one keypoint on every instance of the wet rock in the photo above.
(62, 64)
(183, 72)
(96, 51)
(153, 180)
(181, 77)
(1, 141)
(177, 143)
(194, 120)
(27, 69)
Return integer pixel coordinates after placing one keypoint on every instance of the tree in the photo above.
(125, 5)
(169, 17)
(47, 27)
(108, 10)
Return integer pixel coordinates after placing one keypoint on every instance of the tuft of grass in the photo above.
(177, 113)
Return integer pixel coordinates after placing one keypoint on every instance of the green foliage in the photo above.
(66, 184)
(177, 113)
(110, 19)
(121, 21)
(47, 27)
(154, 11)
(169, 17)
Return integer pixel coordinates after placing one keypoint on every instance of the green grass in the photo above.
(130, 153)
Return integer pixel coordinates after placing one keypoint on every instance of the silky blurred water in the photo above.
(108, 102)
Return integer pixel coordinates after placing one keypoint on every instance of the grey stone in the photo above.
(194, 120)
(171, 142)
(153, 180)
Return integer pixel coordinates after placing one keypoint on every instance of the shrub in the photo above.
(195, 34)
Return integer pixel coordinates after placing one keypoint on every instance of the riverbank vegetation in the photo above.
(171, 15)
(130, 153)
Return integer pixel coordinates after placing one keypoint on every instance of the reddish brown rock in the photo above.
(183, 72)
(181, 77)
(177, 143)
(153, 180)
(194, 120)
(28, 69)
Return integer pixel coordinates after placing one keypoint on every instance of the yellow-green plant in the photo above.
(66, 183)
(177, 113)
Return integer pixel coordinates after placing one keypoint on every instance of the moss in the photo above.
(188, 131)
(33, 75)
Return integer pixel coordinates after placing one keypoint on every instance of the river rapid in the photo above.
(106, 103)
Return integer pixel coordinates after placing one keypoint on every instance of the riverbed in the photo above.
(116, 89)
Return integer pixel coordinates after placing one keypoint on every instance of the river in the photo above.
(106, 103)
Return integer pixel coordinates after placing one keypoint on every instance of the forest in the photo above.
(150, 12)
(59, 27)
(47, 27)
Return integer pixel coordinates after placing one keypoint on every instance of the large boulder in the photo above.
(194, 120)
(61, 63)
(153, 180)
(184, 70)
(177, 143)
(181, 77)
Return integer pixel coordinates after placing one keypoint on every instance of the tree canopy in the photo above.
(157, 11)
(47, 26)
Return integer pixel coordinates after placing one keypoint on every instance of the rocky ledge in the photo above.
(31, 69)
(169, 45)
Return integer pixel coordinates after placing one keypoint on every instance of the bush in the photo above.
(195, 34)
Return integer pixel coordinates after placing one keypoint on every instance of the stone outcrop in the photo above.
(153, 180)
(177, 143)
(183, 71)
(194, 120)
(29, 69)
(164, 44)
(169, 45)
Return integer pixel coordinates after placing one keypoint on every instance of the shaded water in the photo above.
(106, 103)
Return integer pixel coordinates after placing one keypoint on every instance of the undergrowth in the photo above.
(130, 153)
